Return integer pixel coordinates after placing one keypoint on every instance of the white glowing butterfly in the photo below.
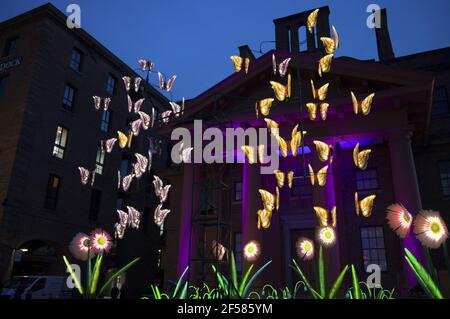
(282, 68)
(134, 217)
(160, 215)
(131, 219)
(146, 64)
(85, 174)
(98, 103)
(177, 109)
(166, 85)
(126, 182)
(136, 105)
(119, 230)
(108, 144)
(165, 116)
(184, 153)
(150, 158)
(136, 83)
(136, 170)
(136, 126)
(161, 191)
(146, 120)
(142, 162)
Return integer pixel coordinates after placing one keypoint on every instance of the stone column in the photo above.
(406, 188)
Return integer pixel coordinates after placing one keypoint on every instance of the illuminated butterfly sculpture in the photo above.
(108, 144)
(142, 163)
(218, 250)
(365, 205)
(318, 94)
(166, 85)
(124, 182)
(265, 214)
(160, 215)
(136, 126)
(146, 120)
(184, 153)
(131, 219)
(331, 44)
(249, 152)
(128, 81)
(362, 106)
(85, 175)
(98, 103)
(263, 106)
(281, 91)
(281, 177)
(238, 61)
(134, 105)
(323, 151)
(295, 142)
(282, 68)
(323, 216)
(161, 191)
(325, 64)
(311, 20)
(165, 116)
(124, 140)
(146, 65)
(361, 158)
(320, 178)
(177, 109)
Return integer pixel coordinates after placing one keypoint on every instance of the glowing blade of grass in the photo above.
(74, 277)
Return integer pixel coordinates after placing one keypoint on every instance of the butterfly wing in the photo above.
(284, 66)
(136, 127)
(283, 145)
(355, 103)
(237, 62)
(109, 144)
(142, 161)
(130, 104)
(333, 217)
(324, 110)
(311, 20)
(247, 65)
(274, 64)
(322, 215)
(138, 105)
(84, 175)
(296, 138)
(164, 193)
(134, 217)
(277, 198)
(355, 155)
(170, 83)
(249, 152)
(329, 44)
(290, 177)
(366, 205)
(312, 110)
(123, 217)
(158, 184)
(97, 102)
(137, 83)
(357, 204)
(186, 154)
(322, 92)
(127, 82)
(279, 90)
(363, 159)
(119, 231)
(161, 80)
(175, 108)
(143, 64)
(145, 120)
(325, 64)
(335, 37)
(118, 179)
(322, 176)
(272, 126)
(165, 116)
(268, 200)
(126, 182)
(265, 105)
(279, 175)
(366, 104)
(322, 150)
(160, 215)
(106, 102)
(311, 174)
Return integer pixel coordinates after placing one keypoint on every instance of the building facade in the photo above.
(408, 162)
(49, 127)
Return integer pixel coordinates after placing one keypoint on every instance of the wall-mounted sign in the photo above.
(10, 64)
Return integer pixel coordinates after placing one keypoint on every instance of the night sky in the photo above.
(195, 38)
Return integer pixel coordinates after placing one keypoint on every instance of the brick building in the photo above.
(49, 127)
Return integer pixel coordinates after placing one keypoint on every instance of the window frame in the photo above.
(445, 100)
(108, 86)
(235, 191)
(66, 106)
(58, 146)
(105, 124)
(49, 196)
(384, 249)
(79, 63)
(100, 160)
(7, 48)
(369, 169)
(447, 178)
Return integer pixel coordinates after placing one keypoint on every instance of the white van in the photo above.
(36, 287)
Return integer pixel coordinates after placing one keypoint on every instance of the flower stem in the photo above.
(431, 268)
(446, 258)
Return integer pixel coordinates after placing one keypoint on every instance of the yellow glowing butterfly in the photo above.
(321, 175)
(296, 140)
(323, 150)
(290, 177)
(365, 205)
(261, 153)
(322, 214)
(272, 126)
(312, 19)
(325, 64)
(282, 91)
(361, 158)
(124, 140)
(237, 63)
(363, 106)
(277, 199)
(312, 110)
(320, 93)
(249, 152)
(268, 200)
(331, 44)
(279, 175)
(264, 217)
(263, 106)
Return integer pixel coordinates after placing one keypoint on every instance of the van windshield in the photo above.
(22, 282)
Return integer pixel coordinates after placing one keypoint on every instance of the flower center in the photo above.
(435, 228)
(86, 242)
(307, 246)
(101, 241)
(328, 235)
(406, 217)
(251, 249)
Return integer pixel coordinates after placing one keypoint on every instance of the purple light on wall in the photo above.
(245, 182)
(351, 143)
(415, 248)
(300, 151)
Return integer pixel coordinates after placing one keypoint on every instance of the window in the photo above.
(75, 60)
(106, 119)
(124, 167)
(440, 101)
(301, 187)
(69, 97)
(3, 82)
(94, 209)
(372, 241)
(367, 179)
(444, 172)
(238, 250)
(60, 142)
(111, 84)
(10, 46)
(238, 191)
(51, 196)
(99, 160)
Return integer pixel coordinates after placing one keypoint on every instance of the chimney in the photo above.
(246, 52)
(384, 44)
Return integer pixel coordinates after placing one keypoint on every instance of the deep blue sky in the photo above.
(195, 38)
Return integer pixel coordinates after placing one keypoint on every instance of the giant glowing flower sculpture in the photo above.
(79, 246)
(326, 236)
(399, 219)
(100, 241)
(430, 228)
(252, 250)
(305, 248)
